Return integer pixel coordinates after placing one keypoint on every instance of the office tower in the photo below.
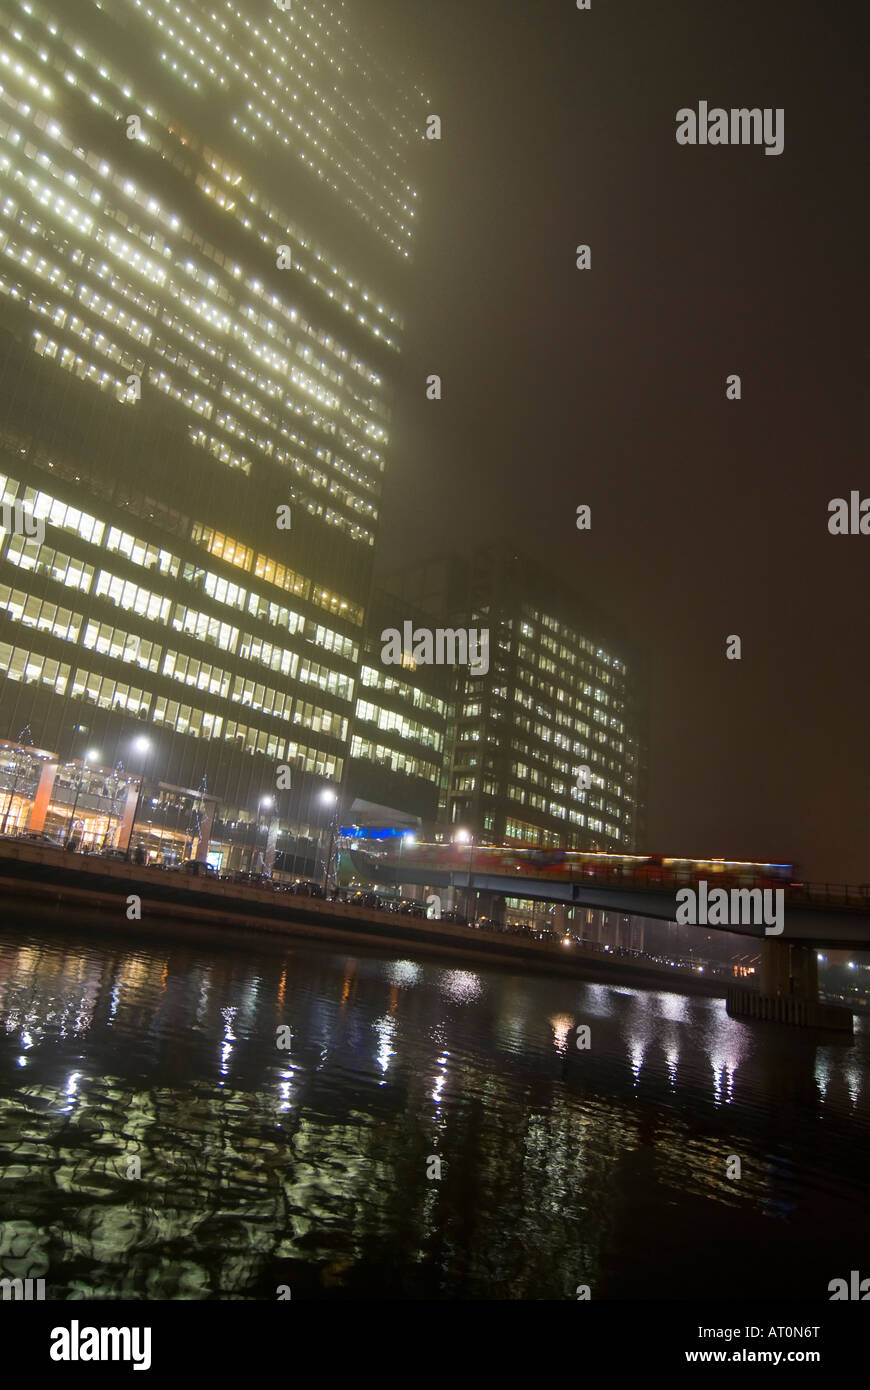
(206, 224)
(400, 742)
(564, 691)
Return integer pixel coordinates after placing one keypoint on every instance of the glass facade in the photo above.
(205, 229)
(561, 693)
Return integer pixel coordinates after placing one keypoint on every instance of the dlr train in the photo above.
(576, 864)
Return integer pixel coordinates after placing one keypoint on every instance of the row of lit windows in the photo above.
(88, 371)
(67, 518)
(128, 256)
(144, 602)
(530, 834)
(326, 679)
(320, 721)
(114, 642)
(408, 728)
(235, 553)
(34, 612)
(19, 664)
(389, 757)
(260, 210)
(334, 642)
(315, 760)
(220, 64)
(33, 668)
(122, 646)
(27, 554)
(379, 680)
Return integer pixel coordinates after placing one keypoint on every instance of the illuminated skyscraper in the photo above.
(205, 227)
(564, 692)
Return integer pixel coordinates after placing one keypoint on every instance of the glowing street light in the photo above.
(330, 797)
(463, 837)
(264, 804)
(143, 748)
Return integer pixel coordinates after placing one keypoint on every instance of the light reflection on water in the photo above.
(261, 1166)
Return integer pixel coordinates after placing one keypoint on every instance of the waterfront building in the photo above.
(206, 223)
(564, 690)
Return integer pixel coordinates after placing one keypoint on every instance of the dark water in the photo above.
(314, 1167)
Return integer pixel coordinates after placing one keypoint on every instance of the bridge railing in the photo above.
(827, 894)
(659, 878)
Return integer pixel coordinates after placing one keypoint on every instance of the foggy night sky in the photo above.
(709, 517)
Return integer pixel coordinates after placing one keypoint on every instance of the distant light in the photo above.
(566, 941)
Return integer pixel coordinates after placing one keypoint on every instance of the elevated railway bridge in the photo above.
(790, 918)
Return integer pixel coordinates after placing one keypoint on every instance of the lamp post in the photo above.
(331, 798)
(406, 838)
(461, 837)
(143, 746)
(89, 757)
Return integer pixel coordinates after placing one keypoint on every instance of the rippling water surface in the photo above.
(156, 1142)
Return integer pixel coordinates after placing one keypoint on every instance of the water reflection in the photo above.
(158, 1143)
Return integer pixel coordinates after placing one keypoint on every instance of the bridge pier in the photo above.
(788, 990)
(788, 970)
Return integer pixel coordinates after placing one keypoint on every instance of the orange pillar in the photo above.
(36, 820)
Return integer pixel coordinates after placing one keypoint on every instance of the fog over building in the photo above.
(205, 230)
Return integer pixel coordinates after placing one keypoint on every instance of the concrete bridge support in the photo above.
(788, 990)
(788, 970)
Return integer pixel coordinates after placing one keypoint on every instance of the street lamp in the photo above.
(465, 837)
(407, 837)
(142, 746)
(264, 803)
(89, 757)
(331, 799)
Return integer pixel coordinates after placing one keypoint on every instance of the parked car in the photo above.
(408, 907)
(197, 868)
(252, 880)
(366, 899)
(36, 837)
(455, 917)
(308, 888)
